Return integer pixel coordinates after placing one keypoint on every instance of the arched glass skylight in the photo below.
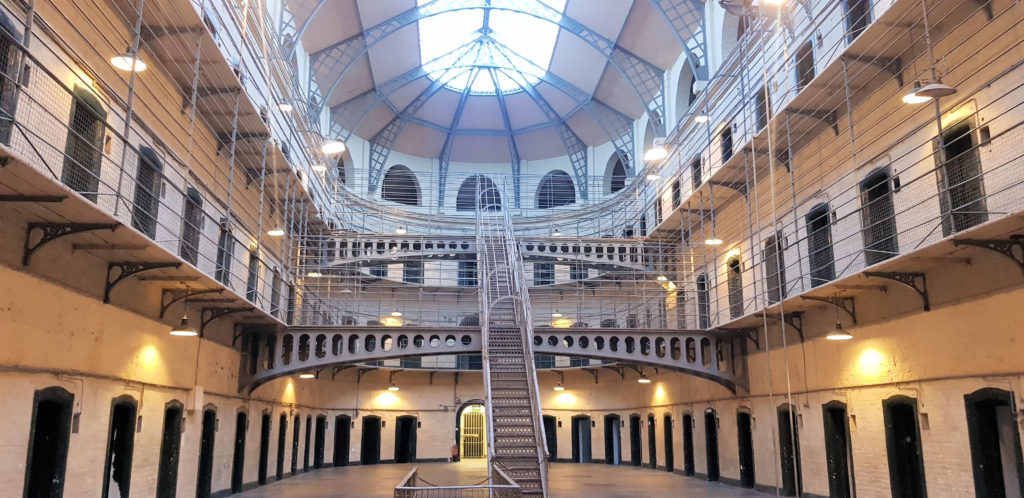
(488, 49)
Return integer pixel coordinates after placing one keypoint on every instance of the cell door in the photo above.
(264, 448)
(369, 451)
(405, 439)
(551, 436)
(789, 452)
(238, 464)
(635, 450)
(342, 439)
(838, 458)
(688, 466)
(745, 435)
(711, 443)
(612, 440)
(170, 451)
(995, 443)
(652, 443)
(204, 477)
(581, 439)
(48, 443)
(117, 473)
(319, 440)
(903, 442)
(282, 443)
(669, 454)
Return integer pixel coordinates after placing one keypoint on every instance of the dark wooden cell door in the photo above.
(170, 451)
(319, 440)
(48, 443)
(117, 472)
(405, 439)
(551, 436)
(995, 443)
(744, 432)
(612, 440)
(635, 450)
(342, 439)
(688, 466)
(711, 443)
(282, 442)
(204, 477)
(261, 476)
(369, 448)
(581, 452)
(670, 458)
(296, 427)
(238, 462)
(652, 442)
(903, 442)
(838, 458)
(789, 452)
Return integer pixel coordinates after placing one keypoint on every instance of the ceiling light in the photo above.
(658, 151)
(184, 329)
(559, 387)
(285, 106)
(643, 379)
(396, 313)
(128, 61)
(701, 118)
(914, 97)
(936, 90)
(393, 387)
(307, 375)
(401, 230)
(556, 314)
(275, 232)
(332, 147)
(652, 177)
(314, 274)
(713, 242)
(319, 167)
(839, 334)
(556, 233)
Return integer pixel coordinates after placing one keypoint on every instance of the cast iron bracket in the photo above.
(1002, 246)
(338, 369)
(210, 314)
(828, 117)
(54, 231)
(740, 187)
(844, 303)
(617, 370)
(361, 372)
(176, 295)
(916, 281)
(126, 269)
(893, 65)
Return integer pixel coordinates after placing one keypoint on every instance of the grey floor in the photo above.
(566, 480)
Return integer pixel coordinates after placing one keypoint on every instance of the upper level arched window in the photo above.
(400, 185)
(556, 189)
(615, 174)
(478, 190)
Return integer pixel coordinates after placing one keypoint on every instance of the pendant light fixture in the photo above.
(838, 334)
(128, 61)
(183, 329)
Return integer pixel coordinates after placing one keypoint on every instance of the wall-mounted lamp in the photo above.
(276, 232)
(332, 147)
(658, 151)
(128, 61)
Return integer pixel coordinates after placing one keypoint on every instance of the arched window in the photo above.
(703, 302)
(819, 245)
(147, 192)
(555, 190)
(878, 217)
(478, 191)
(400, 186)
(774, 268)
(83, 154)
(684, 90)
(734, 270)
(615, 174)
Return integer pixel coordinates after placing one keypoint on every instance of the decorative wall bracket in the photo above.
(1002, 246)
(916, 281)
(828, 117)
(361, 372)
(616, 369)
(53, 231)
(171, 296)
(894, 65)
(126, 269)
(740, 187)
(210, 314)
(843, 303)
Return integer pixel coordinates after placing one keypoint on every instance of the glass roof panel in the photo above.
(462, 38)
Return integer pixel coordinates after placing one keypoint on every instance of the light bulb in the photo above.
(307, 375)
(183, 329)
(559, 387)
(713, 242)
(275, 232)
(393, 388)
(701, 118)
(331, 147)
(128, 61)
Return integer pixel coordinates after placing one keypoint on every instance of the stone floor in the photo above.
(567, 480)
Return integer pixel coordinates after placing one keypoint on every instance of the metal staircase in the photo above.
(517, 443)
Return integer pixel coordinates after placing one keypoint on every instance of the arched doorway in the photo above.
(319, 441)
(612, 440)
(670, 462)
(204, 477)
(342, 439)
(369, 448)
(405, 439)
(581, 452)
(551, 436)
(635, 451)
(120, 444)
(745, 435)
(711, 443)
(238, 463)
(471, 429)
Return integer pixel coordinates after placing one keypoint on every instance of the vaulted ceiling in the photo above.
(491, 81)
